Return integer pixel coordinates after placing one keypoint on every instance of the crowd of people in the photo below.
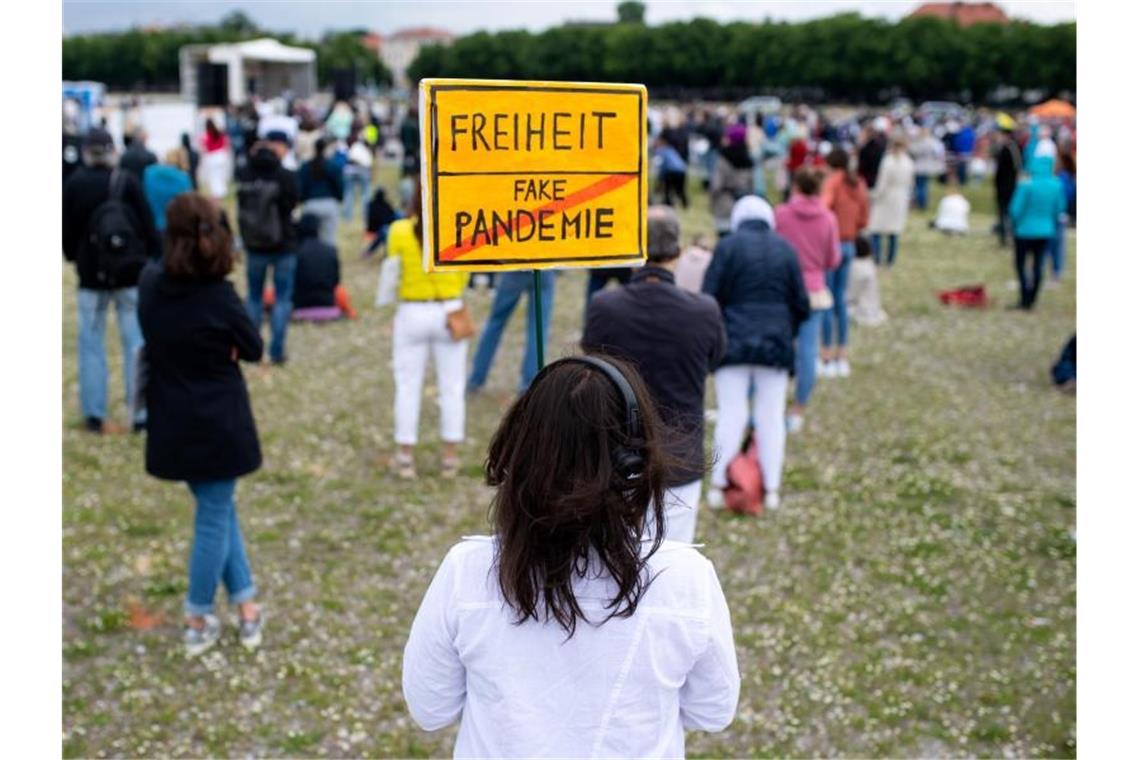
(598, 466)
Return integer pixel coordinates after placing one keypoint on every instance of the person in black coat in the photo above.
(136, 158)
(101, 287)
(674, 339)
(318, 270)
(755, 276)
(193, 157)
(871, 154)
(267, 195)
(1006, 171)
(200, 424)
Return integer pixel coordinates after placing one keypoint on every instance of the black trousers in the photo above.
(1003, 219)
(1030, 282)
(675, 185)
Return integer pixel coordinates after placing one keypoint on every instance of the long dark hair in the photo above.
(416, 209)
(318, 161)
(561, 508)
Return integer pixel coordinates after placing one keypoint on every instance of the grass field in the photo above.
(914, 596)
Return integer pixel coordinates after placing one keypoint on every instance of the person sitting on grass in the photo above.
(318, 295)
(530, 637)
(953, 216)
(200, 426)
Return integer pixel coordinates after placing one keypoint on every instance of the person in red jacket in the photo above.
(845, 193)
(813, 232)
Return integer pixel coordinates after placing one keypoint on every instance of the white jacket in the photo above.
(626, 688)
(890, 198)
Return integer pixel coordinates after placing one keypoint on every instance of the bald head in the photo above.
(664, 234)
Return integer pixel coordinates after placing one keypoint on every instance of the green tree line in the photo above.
(846, 57)
(148, 59)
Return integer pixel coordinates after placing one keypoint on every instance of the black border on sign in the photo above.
(435, 174)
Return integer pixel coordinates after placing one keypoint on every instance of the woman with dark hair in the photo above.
(200, 426)
(216, 160)
(845, 193)
(322, 188)
(427, 320)
(569, 633)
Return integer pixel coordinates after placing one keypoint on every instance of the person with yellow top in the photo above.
(421, 328)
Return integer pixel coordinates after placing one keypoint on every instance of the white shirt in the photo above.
(626, 688)
(953, 214)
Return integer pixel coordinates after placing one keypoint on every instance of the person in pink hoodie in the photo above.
(811, 228)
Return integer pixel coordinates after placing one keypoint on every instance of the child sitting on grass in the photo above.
(953, 211)
(863, 304)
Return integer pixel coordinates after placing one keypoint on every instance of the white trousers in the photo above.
(214, 171)
(681, 504)
(770, 391)
(420, 329)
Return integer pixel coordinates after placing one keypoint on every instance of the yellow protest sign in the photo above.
(532, 175)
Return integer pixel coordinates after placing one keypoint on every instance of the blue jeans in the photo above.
(284, 271)
(1057, 252)
(921, 183)
(837, 284)
(877, 247)
(218, 552)
(508, 291)
(357, 179)
(92, 310)
(807, 351)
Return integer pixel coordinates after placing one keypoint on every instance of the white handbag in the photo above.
(389, 281)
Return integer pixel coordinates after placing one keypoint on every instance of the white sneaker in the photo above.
(842, 368)
(199, 640)
(772, 501)
(795, 423)
(820, 368)
(715, 499)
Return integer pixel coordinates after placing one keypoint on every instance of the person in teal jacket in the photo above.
(161, 182)
(1035, 210)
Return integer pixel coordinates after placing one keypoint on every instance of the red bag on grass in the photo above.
(745, 490)
(970, 296)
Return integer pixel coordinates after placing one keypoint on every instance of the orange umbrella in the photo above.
(1054, 109)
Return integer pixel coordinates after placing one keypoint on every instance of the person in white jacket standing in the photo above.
(568, 633)
(890, 200)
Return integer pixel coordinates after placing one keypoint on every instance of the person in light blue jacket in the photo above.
(161, 182)
(1035, 210)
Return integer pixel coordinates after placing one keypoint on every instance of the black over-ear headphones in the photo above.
(628, 461)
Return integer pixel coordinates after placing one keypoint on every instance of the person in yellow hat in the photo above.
(1007, 159)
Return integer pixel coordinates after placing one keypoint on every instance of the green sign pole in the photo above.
(536, 301)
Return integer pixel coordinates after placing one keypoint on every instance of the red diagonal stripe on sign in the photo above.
(601, 187)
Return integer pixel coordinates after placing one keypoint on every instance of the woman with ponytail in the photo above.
(845, 193)
(200, 424)
(574, 629)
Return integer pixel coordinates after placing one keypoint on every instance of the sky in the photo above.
(309, 18)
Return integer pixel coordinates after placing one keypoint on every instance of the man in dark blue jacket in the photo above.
(675, 339)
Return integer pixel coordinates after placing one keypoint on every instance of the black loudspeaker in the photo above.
(213, 84)
(344, 84)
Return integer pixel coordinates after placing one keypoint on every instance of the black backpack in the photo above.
(113, 235)
(259, 218)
